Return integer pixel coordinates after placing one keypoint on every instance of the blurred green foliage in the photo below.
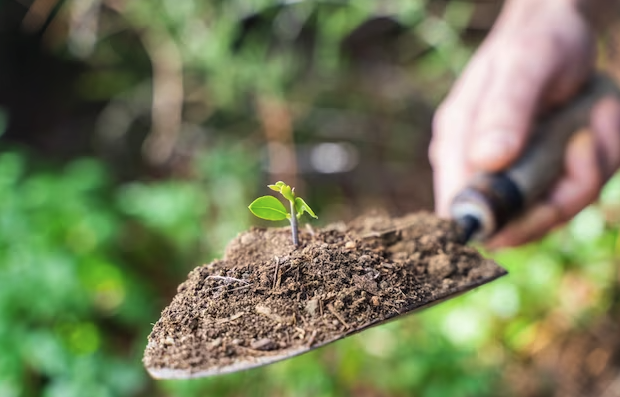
(77, 296)
(225, 45)
(63, 284)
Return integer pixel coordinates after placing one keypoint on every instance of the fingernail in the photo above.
(494, 148)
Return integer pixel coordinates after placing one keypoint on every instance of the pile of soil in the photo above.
(267, 300)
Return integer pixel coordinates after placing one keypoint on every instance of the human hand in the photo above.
(537, 57)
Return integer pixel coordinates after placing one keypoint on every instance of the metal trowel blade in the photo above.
(242, 363)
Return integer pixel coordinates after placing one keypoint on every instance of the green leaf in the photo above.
(269, 208)
(284, 189)
(277, 186)
(287, 192)
(301, 207)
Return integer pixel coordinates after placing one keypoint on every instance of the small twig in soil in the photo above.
(219, 287)
(358, 302)
(286, 270)
(279, 278)
(333, 310)
(277, 261)
(381, 233)
(321, 307)
(266, 311)
(301, 331)
(394, 307)
(228, 279)
(312, 337)
(238, 288)
(375, 234)
(275, 274)
(288, 337)
(231, 318)
(310, 229)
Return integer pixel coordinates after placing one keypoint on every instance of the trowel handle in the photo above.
(494, 199)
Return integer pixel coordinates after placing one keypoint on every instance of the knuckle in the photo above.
(507, 108)
(502, 118)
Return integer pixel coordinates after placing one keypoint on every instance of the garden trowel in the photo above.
(490, 201)
(487, 204)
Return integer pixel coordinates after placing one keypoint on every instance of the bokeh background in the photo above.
(135, 133)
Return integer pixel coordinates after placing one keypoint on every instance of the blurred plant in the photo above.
(195, 64)
(271, 209)
(64, 285)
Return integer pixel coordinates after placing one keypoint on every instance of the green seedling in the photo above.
(272, 209)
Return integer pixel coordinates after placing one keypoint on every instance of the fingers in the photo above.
(539, 221)
(591, 158)
(535, 69)
(501, 128)
(579, 186)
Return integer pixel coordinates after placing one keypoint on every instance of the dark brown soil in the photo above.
(267, 300)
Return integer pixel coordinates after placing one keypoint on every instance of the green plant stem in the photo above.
(294, 225)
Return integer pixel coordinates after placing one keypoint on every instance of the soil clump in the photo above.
(267, 300)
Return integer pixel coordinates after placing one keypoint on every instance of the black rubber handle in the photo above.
(495, 199)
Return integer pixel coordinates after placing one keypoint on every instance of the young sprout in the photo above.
(272, 209)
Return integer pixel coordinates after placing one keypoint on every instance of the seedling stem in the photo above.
(271, 209)
(293, 219)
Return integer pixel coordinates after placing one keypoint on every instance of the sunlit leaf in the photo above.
(301, 207)
(269, 208)
(287, 192)
(277, 186)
